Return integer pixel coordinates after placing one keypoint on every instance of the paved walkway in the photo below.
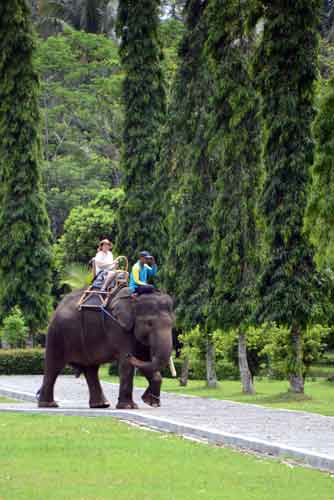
(303, 436)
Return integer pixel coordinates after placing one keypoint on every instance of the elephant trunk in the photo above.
(149, 366)
(160, 358)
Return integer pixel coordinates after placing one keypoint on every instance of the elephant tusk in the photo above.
(172, 367)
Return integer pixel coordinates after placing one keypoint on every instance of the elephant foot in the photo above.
(47, 404)
(100, 404)
(126, 405)
(151, 400)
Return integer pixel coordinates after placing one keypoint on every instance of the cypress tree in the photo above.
(286, 68)
(191, 172)
(319, 221)
(144, 102)
(235, 136)
(24, 229)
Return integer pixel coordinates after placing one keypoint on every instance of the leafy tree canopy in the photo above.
(82, 117)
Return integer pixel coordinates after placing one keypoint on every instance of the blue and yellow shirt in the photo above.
(140, 274)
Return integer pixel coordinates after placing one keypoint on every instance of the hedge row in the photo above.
(197, 370)
(23, 362)
(31, 362)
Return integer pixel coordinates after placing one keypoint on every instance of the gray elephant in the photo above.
(135, 331)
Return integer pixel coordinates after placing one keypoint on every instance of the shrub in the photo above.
(197, 370)
(23, 362)
(269, 349)
(14, 330)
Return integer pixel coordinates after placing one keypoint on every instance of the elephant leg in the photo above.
(96, 397)
(46, 393)
(126, 374)
(152, 394)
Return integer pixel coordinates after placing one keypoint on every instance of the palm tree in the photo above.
(76, 276)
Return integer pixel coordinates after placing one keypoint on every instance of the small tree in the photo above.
(14, 330)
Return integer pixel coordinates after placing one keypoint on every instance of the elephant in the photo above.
(135, 331)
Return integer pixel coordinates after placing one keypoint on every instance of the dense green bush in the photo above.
(197, 370)
(268, 348)
(84, 228)
(23, 362)
(15, 331)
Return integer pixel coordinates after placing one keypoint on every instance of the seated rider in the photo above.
(144, 268)
(104, 262)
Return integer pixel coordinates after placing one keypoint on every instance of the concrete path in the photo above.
(306, 437)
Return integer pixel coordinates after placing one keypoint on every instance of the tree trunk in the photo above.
(184, 372)
(211, 377)
(245, 374)
(296, 364)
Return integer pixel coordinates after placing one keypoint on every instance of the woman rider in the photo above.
(104, 261)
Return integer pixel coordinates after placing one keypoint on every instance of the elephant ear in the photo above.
(123, 310)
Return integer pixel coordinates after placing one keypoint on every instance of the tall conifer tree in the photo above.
(319, 221)
(286, 68)
(144, 102)
(24, 229)
(191, 182)
(235, 136)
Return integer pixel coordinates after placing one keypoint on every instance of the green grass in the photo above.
(322, 371)
(5, 400)
(45, 458)
(318, 398)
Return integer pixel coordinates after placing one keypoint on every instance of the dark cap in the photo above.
(145, 254)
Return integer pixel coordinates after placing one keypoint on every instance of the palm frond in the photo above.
(76, 276)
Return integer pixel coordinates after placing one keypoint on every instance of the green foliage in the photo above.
(82, 119)
(144, 103)
(171, 32)
(320, 215)
(269, 348)
(189, 169)
(193, 344)
(285, 69)
(287, 109)
(76, 276)
(14, 330)
(108, 199)
(25, 255)
(23, 362)
(235, 141)
(86, 226)
(197, 370)
(278, 347)
(226, 345)
(83, 230)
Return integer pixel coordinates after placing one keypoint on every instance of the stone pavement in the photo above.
(307, 437)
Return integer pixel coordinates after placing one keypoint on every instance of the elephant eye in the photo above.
(149, 323)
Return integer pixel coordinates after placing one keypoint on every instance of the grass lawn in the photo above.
(318, 398)
(43, 457)
(5, 400)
